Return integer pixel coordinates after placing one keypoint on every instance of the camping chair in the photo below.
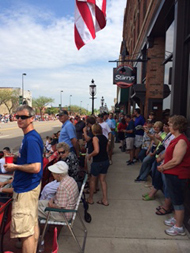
(47, 174)
(5, 220)
(65, 222)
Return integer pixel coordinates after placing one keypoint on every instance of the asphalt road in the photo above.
(11, 135)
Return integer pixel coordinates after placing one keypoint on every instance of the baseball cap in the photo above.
(63, 112)
(59, 167)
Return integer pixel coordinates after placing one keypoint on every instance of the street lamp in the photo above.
(87, 108)
(80, 106)
(61, 98)
(70, 103)
(92, 93)
(23, 74)
(102, 101)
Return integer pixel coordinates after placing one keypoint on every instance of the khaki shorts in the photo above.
(130, 143)
(24, 213)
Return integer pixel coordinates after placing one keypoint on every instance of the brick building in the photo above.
(156, 37)
(150, 35)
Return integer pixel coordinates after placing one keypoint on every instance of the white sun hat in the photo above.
(59, 168)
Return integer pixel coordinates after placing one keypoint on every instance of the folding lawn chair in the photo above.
(65, 222)
(5, 220)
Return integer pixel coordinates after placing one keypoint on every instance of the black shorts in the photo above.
(98, 168)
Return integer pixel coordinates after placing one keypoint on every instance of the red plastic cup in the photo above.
(9, 159)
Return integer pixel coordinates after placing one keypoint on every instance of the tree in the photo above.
(12, 101)
(41, 102)
(5, 95)
(52, 110)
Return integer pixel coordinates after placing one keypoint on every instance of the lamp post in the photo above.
(87, 108)
(92, 93)
(70, 103)
(80, 106)
(23, 74)
(102, 101)
(102, 105)
(61, 98)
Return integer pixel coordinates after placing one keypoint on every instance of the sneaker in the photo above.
(110, 162)
(171, 222)
(175, 231)
(134, 160)
(130, 163)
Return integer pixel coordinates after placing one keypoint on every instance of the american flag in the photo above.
(90, 17)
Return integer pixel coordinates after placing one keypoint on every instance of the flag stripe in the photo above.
(90, 17)
(86, 17)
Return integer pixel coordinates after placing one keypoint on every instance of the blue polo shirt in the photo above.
(67, 133)
(31, 151)
(111, 124)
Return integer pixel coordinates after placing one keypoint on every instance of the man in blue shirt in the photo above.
(68, 132)
(139, 132)
(26, 184)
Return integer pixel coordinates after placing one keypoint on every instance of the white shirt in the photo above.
(2, 162)
(49, 190)
(105, 129)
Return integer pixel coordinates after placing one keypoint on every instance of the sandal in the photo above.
(147, 198)
(158, 212)
(158, 208)
(144, 195)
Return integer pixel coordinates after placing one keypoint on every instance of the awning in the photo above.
(137, 93)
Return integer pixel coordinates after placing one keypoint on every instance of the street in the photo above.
(11, 136)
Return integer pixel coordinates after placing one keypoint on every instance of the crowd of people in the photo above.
(161, 149)
(164, 152)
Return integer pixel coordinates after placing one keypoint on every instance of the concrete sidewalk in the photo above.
(128, 224)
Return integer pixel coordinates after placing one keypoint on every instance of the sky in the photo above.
(37, 38)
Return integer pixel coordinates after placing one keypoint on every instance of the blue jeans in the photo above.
(146, 167)
(156, 176)
(176, 188)
(165, 186)
(142, 154)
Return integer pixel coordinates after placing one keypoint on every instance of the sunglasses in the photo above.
(61, 152)
(23, 117)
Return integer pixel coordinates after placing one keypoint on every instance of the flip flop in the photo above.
(158, 208)
(101, 203)
(90, 203)
(147, 198)
(163, 213)
(144, 195)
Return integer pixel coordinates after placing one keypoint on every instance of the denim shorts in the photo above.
(98, 168)
(176, 188)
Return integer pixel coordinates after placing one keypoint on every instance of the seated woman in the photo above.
(158, 181)
(146, 145)
(149, 159)
(71, 160)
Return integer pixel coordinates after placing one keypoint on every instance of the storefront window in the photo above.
(168, 51)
